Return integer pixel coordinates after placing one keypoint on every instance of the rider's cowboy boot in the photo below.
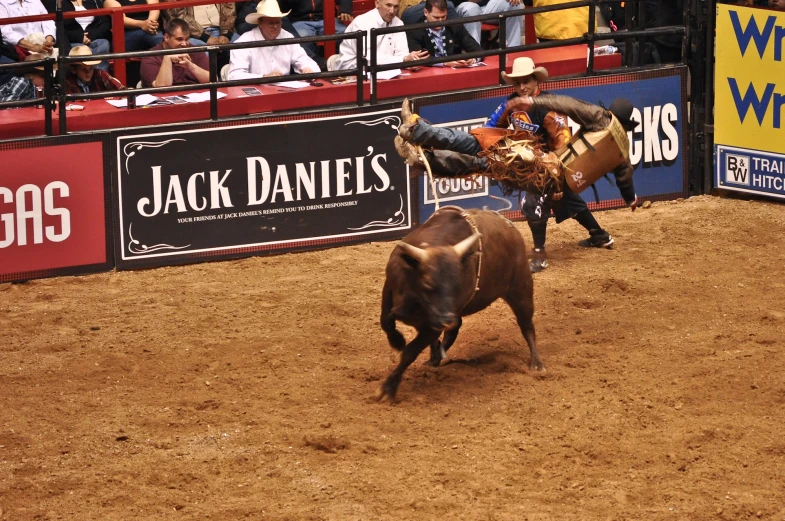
(408, 120)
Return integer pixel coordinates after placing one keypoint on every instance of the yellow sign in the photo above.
(750, 79)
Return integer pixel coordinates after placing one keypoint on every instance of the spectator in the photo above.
(242, 27)
(26, 81)
(513, 24)
(307, 17)
(93, 31)
(141, 29)
(8, 54)
(415, 14)
(175, 69)
(669, 12)
(442, 41)
(261, 62)
(243, 9)
(211, 24)
(560, 25)
(83, 77)
(28, 37)
(391, 48)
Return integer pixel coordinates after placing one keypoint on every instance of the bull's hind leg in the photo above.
(439, 349)
(524, 311)
(408, 355)
(387, 321)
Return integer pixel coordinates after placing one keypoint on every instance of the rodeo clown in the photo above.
(538, 156)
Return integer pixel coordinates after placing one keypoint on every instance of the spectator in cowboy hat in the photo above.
(27, 81)
(82, 76)
(261, 62)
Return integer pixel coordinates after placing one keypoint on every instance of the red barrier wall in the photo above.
(53, 209)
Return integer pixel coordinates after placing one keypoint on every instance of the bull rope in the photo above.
(424, 159)
(469, 219)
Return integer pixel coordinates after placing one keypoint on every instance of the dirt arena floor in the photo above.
(243, 389)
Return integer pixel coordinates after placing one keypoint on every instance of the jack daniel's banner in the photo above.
(217, 192)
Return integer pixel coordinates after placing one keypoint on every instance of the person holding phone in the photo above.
(443, 41)
(390, 48)
(175, 69)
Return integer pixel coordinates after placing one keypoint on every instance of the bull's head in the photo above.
(438, 274)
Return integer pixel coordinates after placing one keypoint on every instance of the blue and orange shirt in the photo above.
(549, 126)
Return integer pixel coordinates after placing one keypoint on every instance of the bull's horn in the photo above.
(463, 247)
(414, 252)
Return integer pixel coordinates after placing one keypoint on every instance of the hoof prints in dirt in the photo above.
(329, 444)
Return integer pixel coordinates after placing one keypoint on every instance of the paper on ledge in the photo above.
(197, 97)
(141, 100)
(387, 75)
(293, 84)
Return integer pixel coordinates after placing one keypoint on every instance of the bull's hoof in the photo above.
(437, 355)
(537, 365)
(385, 394)
(396, 340)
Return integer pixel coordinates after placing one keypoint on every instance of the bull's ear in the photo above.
(412, 255)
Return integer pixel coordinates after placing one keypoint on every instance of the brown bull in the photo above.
(456, 264)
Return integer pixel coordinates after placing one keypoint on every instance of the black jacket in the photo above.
(7, 50)
(311, 10)
(98, 28)
(456, 40)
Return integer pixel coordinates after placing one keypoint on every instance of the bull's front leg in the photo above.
(408, 355)
(387, 321)
(439, 349)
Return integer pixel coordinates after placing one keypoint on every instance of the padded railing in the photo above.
(588, 38)
(373, 68)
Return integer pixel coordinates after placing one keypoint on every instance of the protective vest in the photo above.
(590, 155)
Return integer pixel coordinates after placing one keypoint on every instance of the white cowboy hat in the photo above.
(524, 66)
(83, 50)
(36, 57)
(266, 8)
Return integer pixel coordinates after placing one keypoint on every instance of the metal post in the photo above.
(590, 36)
(118, 45)
(708, 141)
(48, 90)
(213, 54)
(360, 69)
(502, 47)
(372, 47)
(329, 26)
(641, 24)
(61, 45)
(628, 43)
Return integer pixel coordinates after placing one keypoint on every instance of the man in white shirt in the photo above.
(261, 62)
(390, 48)
(17, 34)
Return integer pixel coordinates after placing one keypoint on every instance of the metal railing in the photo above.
(588, 38)
(56, 90)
